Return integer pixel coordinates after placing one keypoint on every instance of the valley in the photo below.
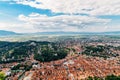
(61, 58)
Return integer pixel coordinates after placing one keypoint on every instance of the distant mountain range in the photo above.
(84, 33)
(6, 33)
(112, 32)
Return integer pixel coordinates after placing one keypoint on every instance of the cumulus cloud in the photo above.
(61, 22)
(91, 7)
(77, 15)
(17, 27)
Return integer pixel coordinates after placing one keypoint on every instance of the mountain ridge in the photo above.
(5, 33)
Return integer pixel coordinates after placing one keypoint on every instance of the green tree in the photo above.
(2, 76)
(112, 77)
(89, 78)
(38, 57)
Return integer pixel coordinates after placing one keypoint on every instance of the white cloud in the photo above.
(36, 22)
(91, 7)
(61, 22)
(70, 21)
(17, 27)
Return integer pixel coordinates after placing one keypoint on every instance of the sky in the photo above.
(29, 16)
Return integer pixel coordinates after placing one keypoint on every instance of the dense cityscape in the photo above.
(66, 59)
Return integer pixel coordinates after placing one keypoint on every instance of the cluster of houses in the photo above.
(74, 67)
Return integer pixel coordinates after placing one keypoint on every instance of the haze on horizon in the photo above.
(28, 16)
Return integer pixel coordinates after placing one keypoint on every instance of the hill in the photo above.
(5, 33)
(82, 33)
